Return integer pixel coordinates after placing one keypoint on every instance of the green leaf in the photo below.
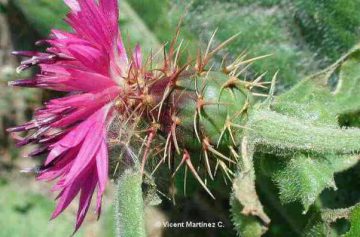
(303, 178)
(44, 14)
(155, 16)
(347, 93)
(355, 223)
(323, 96)
(136, 31)
(246, 226)
(310, 100)
(263, 29)
(329, 27)
(319, 224)
(317, 228)
(315, 101)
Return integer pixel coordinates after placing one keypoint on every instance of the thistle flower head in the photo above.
(172, 111)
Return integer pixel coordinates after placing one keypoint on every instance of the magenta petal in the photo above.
(91, 58)
(98, 203)
(83, 159)
(26, 53)
(23, 83)
(61, 166)
(70, 140)
(66, 197)
(110, 10)
(91, 145)
(85, 199)
(69, 79)
(102, 166)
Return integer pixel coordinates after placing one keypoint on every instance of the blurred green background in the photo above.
(303, 36)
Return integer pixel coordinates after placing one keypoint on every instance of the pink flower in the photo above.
(91, 64)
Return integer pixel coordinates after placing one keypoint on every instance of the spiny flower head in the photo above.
(185, 114)
(92, 66)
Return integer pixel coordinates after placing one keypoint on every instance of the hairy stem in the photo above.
(275, 130)
(129, 209)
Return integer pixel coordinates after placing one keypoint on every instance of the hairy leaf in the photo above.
(304, 178)
(355, 223)
(347, 92)
(329, 27)
(316, 227)
(246, 226)
(323, 96)
(318, 100)
(263, 29)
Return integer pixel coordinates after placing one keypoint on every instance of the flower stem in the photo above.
(129, 211)
(274, 130)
